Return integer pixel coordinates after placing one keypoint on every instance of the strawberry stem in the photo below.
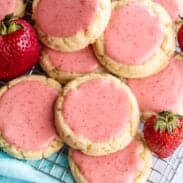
(8, 26)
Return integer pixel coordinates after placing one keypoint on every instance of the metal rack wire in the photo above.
(163, 171)
(59, 168)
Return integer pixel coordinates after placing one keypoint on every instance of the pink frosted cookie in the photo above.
(97, 114)
(130, 165)
(163, 91)
(138, 41)
(27, 119)
(67, 66)
(11, 6)
(70, 25)
(174, 7)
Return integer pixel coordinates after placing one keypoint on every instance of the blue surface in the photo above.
(17, 171)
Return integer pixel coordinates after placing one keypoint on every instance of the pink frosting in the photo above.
(82, 61)
(7, 7)
(163, 91)
(133, 34)
(171, 6)
(121, 166)
(26, 113)
(97, 110)
(65, 18)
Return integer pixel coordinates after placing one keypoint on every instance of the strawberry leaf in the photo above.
(8, 26)
(166, 120)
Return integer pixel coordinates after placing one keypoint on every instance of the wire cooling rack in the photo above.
(163, 171)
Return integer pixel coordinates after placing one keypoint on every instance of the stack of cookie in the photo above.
(118, 64)
(97, 113)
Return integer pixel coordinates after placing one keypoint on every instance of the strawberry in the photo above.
(180, 35)
(19, 47)
(164, 133)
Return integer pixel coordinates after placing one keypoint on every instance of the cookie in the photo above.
(132, 164)
(97, 114)
(138, 41)
(64, 66)
(70, 25)
(174, 7)
(163, 91)
(20, 8)
(11, 6)
(27, 128)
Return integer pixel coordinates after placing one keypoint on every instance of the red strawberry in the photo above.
(180, 36)
(19, 47)
(164, 133)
